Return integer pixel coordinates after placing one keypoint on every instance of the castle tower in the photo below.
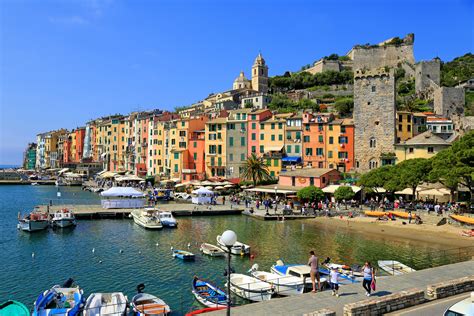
(260, 75)
(374, 118)
(427, 73)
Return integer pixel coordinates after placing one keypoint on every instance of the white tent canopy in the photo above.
(122, 191)
(333, 187)
(202, 196)
(435, 192)
(202, 191)
(128, 178)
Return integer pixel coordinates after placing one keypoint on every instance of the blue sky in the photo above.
(65, 62)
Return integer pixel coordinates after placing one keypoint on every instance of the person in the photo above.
(223, 200)
(313, 262)
(368, 277)
(334, 274)
(409, 217)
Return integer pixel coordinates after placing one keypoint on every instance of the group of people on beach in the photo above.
(368, 282)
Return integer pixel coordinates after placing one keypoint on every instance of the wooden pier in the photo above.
(178, 209)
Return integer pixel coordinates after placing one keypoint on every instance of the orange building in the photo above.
(318, 177)
(80, 133)
(196, 167)
(340, 145)
(314, 136)
(254, 128)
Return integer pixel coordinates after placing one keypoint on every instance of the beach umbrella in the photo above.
(209, 187)
(219, 188)
(206, 183)
(226, 183)
(228, 186)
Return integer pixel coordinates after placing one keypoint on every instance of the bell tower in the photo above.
(260, 75)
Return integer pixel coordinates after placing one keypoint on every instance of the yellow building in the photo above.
(404, 126)
(272, 142)
(425, 145)
(215, 135)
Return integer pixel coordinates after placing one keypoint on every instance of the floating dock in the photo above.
(96, 211)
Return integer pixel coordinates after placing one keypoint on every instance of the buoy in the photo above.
(100, 261)
(189, 245)
(171, 248)
(93, 250)
(139, 252)
(157, 244)
(252, 257)
(32, 255)
(121, 251)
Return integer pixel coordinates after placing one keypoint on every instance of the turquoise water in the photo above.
(68, 253)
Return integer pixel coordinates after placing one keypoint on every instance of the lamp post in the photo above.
(228, 238)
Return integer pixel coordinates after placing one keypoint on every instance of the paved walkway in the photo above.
(306, 303)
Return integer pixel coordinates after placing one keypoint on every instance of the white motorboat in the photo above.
(147, 218)
(144, 304)
(63, 218)
(283, 285)
(301, 271)
(250, 288)
(211, 250)
(393, 267)
(113, 304)
(167, 219)
(33, 222)
(237, 249)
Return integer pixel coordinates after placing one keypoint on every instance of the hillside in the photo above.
(458, 70)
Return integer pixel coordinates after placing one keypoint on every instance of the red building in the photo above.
(314, 136)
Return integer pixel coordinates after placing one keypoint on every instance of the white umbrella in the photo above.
(219, 188)
(206, 183)
(228, 186)
(181, 185)
(209, 187)
(226, 183)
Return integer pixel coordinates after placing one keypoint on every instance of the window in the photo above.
(288, 149)
(311, 180)
(373, 88)
(272, 174)
(319, 151)
(242, 141)
(219, 161)
(298, 135)
(275, 163)
(176, 168)
(272, 137)
(176, 155)
(262, 136)
(330, 154)
(273, 126)
(254, 125)
(372, 164)
(195, 156)
(242, 157)
(343, 129)
(182, 124)
(400, 128)
(195, 144)
(219, 136)
(410, 150)
(280, 125)
(408, 118)
(430, 150)
(254, 136)
(254, 149)
(320, 138)
(343, 140)
(372, 142)
(231, 126)
(213, 161)
(182, 133)
(261, 149)
(306, 139)
(242, 127)
(254, 117)
(212, 149)
(443, 128)
(331, 140)
(297, 149)
(330, 127)
(309, 151)
(219, 149)
(280, 137)
(409, 128)
(342, 155)
(262, 126)
(400, 118)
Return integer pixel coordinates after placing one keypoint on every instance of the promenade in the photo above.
(311, 302)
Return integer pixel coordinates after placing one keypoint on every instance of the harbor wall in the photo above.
(449, 288)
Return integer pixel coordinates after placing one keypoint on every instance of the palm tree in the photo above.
(256, 169)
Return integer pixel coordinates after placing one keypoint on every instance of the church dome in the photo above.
(259, 60)
(241, 78)
(241, 82)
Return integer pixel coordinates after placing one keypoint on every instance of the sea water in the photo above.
(126, 255)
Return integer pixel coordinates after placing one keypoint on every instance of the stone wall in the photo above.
(322, 312)
(449, 102)
(449, 288)
(324, 65)
(385, 304)
(427, 72)
(374, 117)
(381, 56)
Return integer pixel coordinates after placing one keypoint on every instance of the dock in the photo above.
(271, 216)
(95, 211)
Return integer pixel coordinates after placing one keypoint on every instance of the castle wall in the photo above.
(449, 102)
(324, 65)
(374, 117)
(381, 56)
(427, 73)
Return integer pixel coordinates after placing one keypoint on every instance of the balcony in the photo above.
(189, 171)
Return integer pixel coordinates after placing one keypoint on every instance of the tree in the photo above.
(344, 193)
(410, 173)
(310, 193)
(378, 178)
(344, 106)
(255, 169)
(455, 165)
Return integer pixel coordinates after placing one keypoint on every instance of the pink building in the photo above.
(319, 177)
(254, 119)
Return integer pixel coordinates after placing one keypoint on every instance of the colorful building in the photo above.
(314, 136)
(339, 145)
(319, 177)
(425, 145)
(29, 157)
(216, 135)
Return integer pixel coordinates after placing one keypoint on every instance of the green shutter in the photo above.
(288, 149)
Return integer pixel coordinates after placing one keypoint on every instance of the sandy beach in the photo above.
(446, 236)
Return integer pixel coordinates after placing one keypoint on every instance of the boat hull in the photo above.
(208, 294)
(212, 250)
(113, 304)
(250, 288)
(283, 285)
(148, 225)
(63, 223)
(393, 267)
(183, 255)
(237, 249)
(32, 226)
(144, 304)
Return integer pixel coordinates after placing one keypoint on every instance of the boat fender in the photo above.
(252, 257)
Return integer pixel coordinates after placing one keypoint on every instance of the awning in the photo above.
(108, 174)
(274, 148)
(63, 170)
(333, 187)
(291, 159)
(406, 191)
(268, 190)
(435, 192)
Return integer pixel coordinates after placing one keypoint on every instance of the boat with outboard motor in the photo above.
(237, 249)
(208, 294)
(98, 304)
(144, 304)
(64, 300)
(283, 285)
(34, 221)
(167, 219)
(211, 250)
(183, 254)
(148, 218)
(63, 218)
(301, 271)
(250, 288)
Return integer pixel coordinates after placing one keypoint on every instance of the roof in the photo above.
(434, 118)
(283, 189)
(219, 120)
(426, 138)
(307, 172)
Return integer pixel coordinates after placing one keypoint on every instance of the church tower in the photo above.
(260, 75)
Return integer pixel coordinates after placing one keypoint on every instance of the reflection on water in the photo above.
(147, 256)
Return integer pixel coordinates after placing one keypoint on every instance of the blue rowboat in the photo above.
(208, 294)
(183, 255)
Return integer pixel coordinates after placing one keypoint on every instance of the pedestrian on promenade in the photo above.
(409, 217)
(368, 277)
(333, 282)
(313, 262)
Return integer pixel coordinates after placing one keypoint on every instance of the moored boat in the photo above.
(148, 218)
(167, 219)
(64, 300)
(63, 218)
(463, 219)
(211, 250)
(375, 213)
(301, 271)
(237, 249)
(208, 294)
(250, 288)
(113, 304)
(12, 307)
(144, 304)
(205, 310)
(283, 285)
(393, 267)
(34, 221)
(183, 254)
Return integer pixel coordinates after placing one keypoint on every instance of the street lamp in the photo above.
(228, 238)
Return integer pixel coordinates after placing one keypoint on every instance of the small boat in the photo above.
(347, 272)
(167, 219)
(208, 294)
(375, 213)
(212, 250)
(113, 304)
(64, 300)
(402, 214)
(12, 307)
(302, 271)
(144, 304)
(35, 183)
(463, 219)
(250, 288)
(205, 310)
(183, 254)
(394, 267)
(63, 218)
(34, 221)
(237, 249)
(148, 218)
(283, 285)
